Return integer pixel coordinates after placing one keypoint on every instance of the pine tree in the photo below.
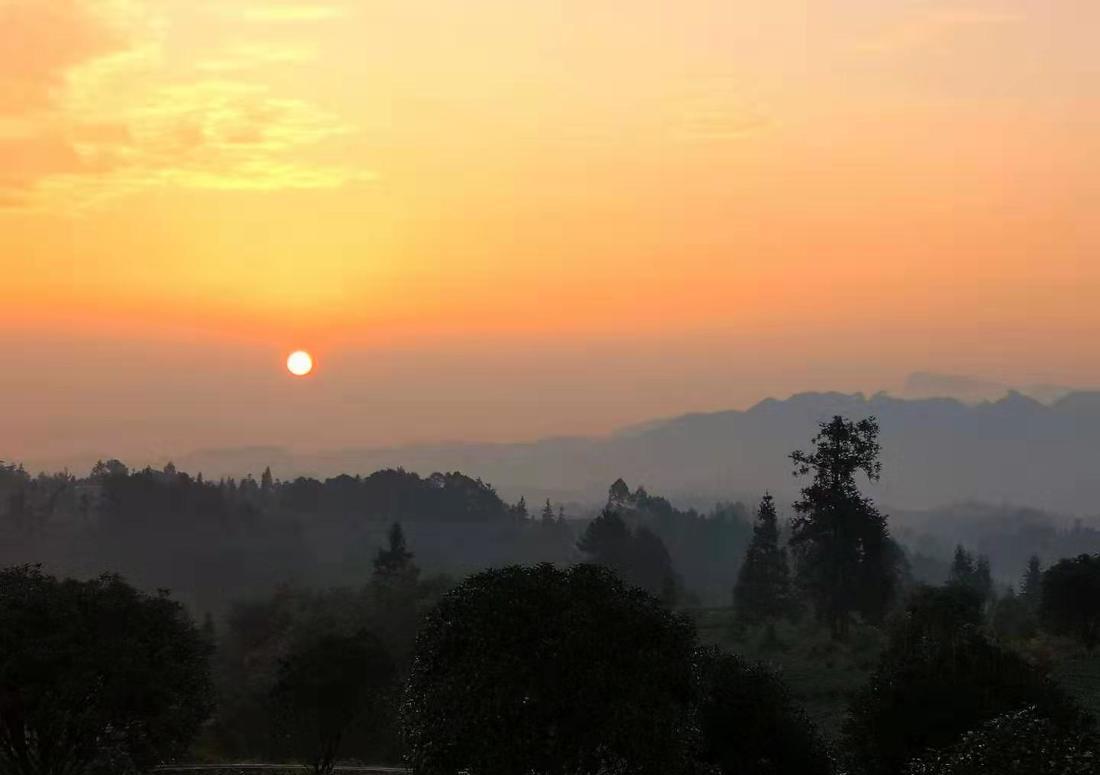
(547, 513)
(393, 565)
(840, 538)
(1031, 588)
(267, 482)
(962, 567)
(519, 511)
(763, 590)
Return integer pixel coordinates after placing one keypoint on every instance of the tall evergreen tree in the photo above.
(840, 538)
(393, 565)
(962, 567)
(547, 513)
(1031, 588)
(519, 511)
(267, 483)
(763, 589)
(974, 575)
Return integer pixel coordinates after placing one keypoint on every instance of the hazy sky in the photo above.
(494, 219)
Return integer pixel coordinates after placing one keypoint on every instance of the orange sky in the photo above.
(494, 219)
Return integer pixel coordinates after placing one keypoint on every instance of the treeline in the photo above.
(215, 541)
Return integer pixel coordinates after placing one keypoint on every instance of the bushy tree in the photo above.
(638, 556)
(846, 561)
(1071, 599)
(750, 725)
(540, 670)
(763, 589)
(938, 678)
(1012, 618)
(1018, 743)
(329, 689)
(95, 677)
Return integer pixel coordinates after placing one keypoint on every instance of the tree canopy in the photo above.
(846, 560)
(95, 677)
(939, 678)
(1071, 599)
(750, 725)
(329, 689)
(535, 669)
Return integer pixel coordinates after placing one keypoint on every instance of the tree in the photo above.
(1012, 619)
(1031, 587)
(974, 575)
(938, 661)
(1071, 599)
(547, 513)
(267, 483)
(845, 558)
(329, 689)
(639, 557)
(536, 670)
(393, 565)
(1018, 743)
(962, 567)
(395, 594)
(519, 511)
(763, 589)
(95, 676)
(750, 725)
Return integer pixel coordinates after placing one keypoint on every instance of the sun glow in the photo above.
(299, 363)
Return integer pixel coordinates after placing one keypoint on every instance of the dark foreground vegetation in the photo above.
(594, 656)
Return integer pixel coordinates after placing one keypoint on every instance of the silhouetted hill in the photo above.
(936, 451)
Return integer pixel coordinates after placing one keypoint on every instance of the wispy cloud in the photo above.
(95, 115)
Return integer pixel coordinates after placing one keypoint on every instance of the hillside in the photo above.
(936, 451)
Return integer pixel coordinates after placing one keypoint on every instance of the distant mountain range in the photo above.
(1015, 449)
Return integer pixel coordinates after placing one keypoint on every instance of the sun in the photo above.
(299, 363)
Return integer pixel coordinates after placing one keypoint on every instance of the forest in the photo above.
(153, 617)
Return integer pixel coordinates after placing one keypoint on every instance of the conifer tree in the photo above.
(547, 513)
(763, 589)
(1031, 588)
(393, 565)
(962, 567)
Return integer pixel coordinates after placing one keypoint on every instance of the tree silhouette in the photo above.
(393, 565)
(540, 670)
(763, 589)
(939, 678)
(327, 690)
(1031, 587)
(750, 725)
(95, 676)
(639, 557)
(846, 560)
(1071, 599)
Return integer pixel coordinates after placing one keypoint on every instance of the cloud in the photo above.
(247, 57)
(92, 113)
